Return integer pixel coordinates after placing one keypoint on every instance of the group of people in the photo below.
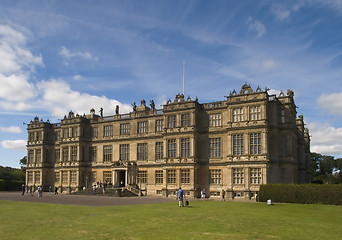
(31, 190)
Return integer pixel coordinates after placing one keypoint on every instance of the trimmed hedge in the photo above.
(305, 193)
(10, 185)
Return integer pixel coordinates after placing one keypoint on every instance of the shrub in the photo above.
(307, 193)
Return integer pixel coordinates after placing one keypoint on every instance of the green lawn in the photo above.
(203, 220)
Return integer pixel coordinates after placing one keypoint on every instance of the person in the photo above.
(56, 190)
(203, 194)
(31, 191)
(22, 190)
(223, 193)
(94, 189)
(40, 191)
(180, 195)
(50, 189)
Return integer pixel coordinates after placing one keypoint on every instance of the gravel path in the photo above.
(83, 200)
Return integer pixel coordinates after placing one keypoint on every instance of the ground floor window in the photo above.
(73, 177)
(142, 177)
(30, 177)
(65, 177)
(171, 176)
(238, 176)
(215, 176)
(159, 176)
(255, 176)
(185, 176)
(57, 177)
(37, 178)
(107, 176)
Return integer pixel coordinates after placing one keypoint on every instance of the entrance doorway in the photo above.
(121, 178)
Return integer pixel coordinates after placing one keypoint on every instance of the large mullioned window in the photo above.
(238, 144)
(255, 143)
(215, 150)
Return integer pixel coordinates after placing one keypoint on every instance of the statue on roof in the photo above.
(153, 106)
(101, 112)
(134, 107)
(117, 110)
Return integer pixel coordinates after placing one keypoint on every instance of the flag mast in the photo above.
(183, 75)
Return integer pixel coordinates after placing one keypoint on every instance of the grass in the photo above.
(203, 220)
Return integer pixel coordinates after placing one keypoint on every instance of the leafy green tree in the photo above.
(325, 169)
(23, 162)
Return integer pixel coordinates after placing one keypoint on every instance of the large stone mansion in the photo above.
(248, 139)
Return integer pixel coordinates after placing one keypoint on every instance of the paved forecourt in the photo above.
(82, 200)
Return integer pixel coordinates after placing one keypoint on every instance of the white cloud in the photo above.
(325, 139)
(17, 63)
(332, 103)
(11, 129)
(66, 53)
(256, 26)
(77, 77)
(14, 144)
(59, 99)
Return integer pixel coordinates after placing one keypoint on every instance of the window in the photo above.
(159, 125)
(185, 120)
(215, 147)
(38, 156)
(107, 153)
(171, 148)
(64, 177)
(283, 116)
(254, 113)
(159, 150)
(124, 129)
(159, 176)
(124, 152)
(73, 153)
(57, 177)
(65, 154)
(74, 132)
(142, 177)
(108, 131)
(94, 132)
(185, 147)
(238, 144)
(58, 135)
(171, 176)
(93, 153)
(107, 176)
(215, 120)
(238, 115)
(30, 158)
(39, 136)
(30, 177)
(58, 155)
(73, 177)
(255, 175)
(215, 176)
(37, 177)
(31, 137)
(171, 121)
(255, 143)
(185, 176)
(65, 132)
(142, 151)
(142, 127)
(238, 176)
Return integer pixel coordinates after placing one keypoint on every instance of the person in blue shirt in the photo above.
(180, 195)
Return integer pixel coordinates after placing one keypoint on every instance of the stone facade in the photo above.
(237, 144)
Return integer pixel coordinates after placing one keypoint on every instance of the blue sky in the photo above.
(58, 56)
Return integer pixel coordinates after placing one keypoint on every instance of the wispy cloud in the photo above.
(14, 144)
(11, 129)
(256, 26)
(331, 103)
(68, 54)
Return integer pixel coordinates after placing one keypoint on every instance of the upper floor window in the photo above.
(107, 153)
(185, 120)
(94, 132)
(74, 132)
(57, 155)
(171, 148)
(142, 151)
(93, 153)
(159, 125)
(39, 136)
(65, 132)
(254, 113)
(159, 150)
(283, 116)
(215, 120)
(73, 153)
(124, 129)
(58, 135)
(215, 148)
(31, 136)
(108, 131)
(30, 157)
(65, 154)
(142, 127)
(171, 121)
(255, 143)
(38, 156)
(124, 152)
(238, 144)
(237, 114)
(185, 147)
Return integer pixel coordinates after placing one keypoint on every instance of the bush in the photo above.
(2, 185)
(308, 193)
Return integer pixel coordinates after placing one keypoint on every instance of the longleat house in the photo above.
(250, 138)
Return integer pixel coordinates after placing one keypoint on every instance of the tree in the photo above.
(23, 162)
(325, 169)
